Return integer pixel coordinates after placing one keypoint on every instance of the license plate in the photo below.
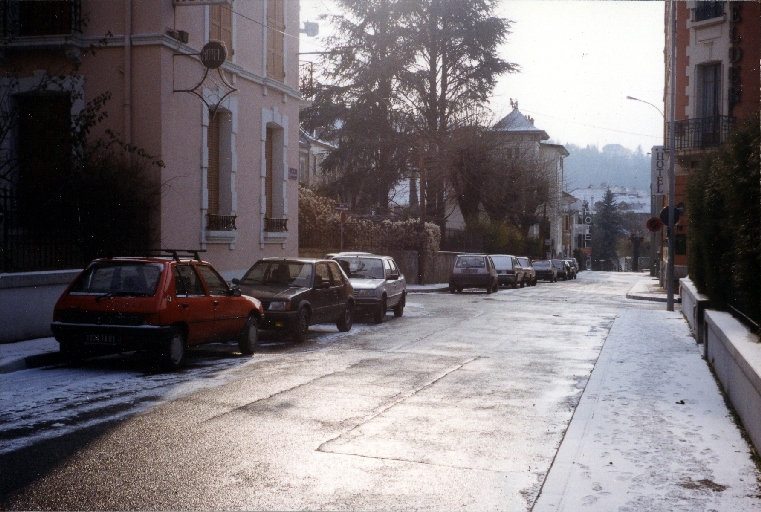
(104, 339)
(470, 271)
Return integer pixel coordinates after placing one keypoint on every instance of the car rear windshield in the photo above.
(470, 262)
(119, 278)
(542, 264)
(363, 268)
(280, 273)
(523, 262)
(502, 262)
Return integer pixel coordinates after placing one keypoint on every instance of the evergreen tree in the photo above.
(606, 229)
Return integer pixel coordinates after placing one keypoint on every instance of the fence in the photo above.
(462, 241)
(23, 249)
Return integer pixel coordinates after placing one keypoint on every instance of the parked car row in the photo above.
(489, 271)
(167, 303)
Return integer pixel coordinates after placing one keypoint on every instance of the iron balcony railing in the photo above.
(220, 222)
(275, 225)
(707, 10)
(702, 132)
(27, 18)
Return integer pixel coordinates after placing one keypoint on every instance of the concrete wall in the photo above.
(735, 355)
(27, 300)
(694, 305)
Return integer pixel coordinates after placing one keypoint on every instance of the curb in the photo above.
(29, 362)
(653, 298)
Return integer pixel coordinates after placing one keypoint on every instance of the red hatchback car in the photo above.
(159, 304)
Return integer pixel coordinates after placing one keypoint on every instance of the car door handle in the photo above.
(216, 303)
(185, 305)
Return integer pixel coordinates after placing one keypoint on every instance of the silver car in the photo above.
(378, 283)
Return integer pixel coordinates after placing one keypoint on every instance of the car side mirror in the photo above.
(236, 280)
(235, 292)
(323, 285)
(392, 277)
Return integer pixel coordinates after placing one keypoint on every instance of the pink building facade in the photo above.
(230, 147)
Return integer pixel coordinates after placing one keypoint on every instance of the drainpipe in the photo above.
(128, 74)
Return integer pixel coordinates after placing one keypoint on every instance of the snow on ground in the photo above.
(651, 431)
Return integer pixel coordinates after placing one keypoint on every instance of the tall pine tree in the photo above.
(606, 230)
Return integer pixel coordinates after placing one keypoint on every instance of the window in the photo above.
(214, 282)
(212, 173)
(707, 10)
(219, 172)
(338, 279)
(709, 93)
(221, 25)
(276, 39)
(40, 17)
(322, 274)
(269, 153)
(191, 283)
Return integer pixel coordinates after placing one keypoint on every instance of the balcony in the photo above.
(275, 225)
(35, 18)
(220, 222)
(703, 132)
(707, 10)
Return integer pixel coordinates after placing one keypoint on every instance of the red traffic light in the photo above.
(654, 224)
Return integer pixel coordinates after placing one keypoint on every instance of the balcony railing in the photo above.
(707, 10)
(220, 222)
(703, 132)
(25, 18)
(275, 225)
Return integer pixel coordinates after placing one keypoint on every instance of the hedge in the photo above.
(320, 228)
(724, 215)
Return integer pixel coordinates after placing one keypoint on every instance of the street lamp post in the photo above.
(653, 253)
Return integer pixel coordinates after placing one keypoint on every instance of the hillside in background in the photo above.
(614, 165)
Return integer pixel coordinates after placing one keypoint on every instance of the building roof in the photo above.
(517, 123)
(630, 199)
(559, 147)
(306, 139)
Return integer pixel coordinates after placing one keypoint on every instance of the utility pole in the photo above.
(672, 158)
(421, 248)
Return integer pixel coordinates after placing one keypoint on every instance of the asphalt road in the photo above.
(461, 404)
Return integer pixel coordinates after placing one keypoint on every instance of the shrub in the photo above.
(724, 237)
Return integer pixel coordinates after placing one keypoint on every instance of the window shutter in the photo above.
(268, 178)
(226, 28)
(276, 39)
(215, 22)
(212, 172)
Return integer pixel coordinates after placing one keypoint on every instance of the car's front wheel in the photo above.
(399, 308)
(302, 326)
(380, 313)
(347, 319)
(249, 338)
(173, 355)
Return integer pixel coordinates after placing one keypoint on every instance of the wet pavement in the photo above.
(460, 404)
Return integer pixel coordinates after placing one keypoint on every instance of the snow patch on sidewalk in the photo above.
(651, 431)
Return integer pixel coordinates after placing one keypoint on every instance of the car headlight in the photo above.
(366, 293)
(279, 306)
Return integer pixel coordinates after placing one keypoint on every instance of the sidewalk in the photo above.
(648, 288)
(651, 431)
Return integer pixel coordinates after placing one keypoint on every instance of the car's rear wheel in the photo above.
(174, 351)
(399, 308)
(302, 326)
(249, 338)
(380, 313)
(347, 319)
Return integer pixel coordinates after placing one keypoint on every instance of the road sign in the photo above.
(654, 224)
(341, 207)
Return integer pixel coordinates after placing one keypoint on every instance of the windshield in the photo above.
(470, 262)
(119, 278)
(542, 264)
(279, 273)
(523, 262)
(502, 262)
(364, 268)
(558, 263)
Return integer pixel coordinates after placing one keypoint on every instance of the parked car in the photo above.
(546, 271)
(378, 283)
(473, 271)
(509, 270)
(297, 293)
(157, 303)
(562, 269)
(528, 269)
(572, 266)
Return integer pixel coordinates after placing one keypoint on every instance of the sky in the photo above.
(579, 61)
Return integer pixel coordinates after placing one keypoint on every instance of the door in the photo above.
(194, 305)
(338, 286)
(229, 316)
(324, 294)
